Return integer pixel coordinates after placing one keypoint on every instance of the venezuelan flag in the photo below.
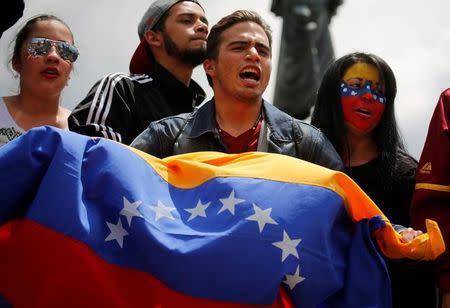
(89, 222)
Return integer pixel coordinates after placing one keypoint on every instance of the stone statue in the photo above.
(306, 50)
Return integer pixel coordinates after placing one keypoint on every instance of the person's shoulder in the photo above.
(286, 121)
(445, 98)
(127, 77)
(446, 92)
(406, 165)
(64, 112)
(405, 157)
(175, 120)
(120, 81)
(308, 128)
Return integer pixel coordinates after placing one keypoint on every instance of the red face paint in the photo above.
(362, 112)
(362, 103)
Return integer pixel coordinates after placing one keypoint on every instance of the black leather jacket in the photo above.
(196, 131)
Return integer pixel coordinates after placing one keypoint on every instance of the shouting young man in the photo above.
(238, 65)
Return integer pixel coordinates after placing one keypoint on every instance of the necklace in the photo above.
(247, 141)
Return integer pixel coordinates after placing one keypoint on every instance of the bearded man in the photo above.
(173, 37)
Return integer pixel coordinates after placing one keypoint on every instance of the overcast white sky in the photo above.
(412, 36)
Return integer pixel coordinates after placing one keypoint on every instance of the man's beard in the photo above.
(188, 56)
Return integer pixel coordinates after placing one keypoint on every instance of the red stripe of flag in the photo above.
(42, 268)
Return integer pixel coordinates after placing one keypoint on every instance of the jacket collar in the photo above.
(279, 123)
(175, 90)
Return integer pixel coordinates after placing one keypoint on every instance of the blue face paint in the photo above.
(347, 90)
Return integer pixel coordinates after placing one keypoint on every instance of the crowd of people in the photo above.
(159, 109)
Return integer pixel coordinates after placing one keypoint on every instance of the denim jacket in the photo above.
(197, 131)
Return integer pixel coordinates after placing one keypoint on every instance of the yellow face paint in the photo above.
(362, 71)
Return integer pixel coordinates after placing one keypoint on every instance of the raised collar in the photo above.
(279, 123)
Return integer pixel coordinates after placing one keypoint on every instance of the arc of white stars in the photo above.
(287, 246)
(117, 233)
(230, 203)
(130, 210)
(293, 280)
(262, 217)
(162, 211)
(199, 210)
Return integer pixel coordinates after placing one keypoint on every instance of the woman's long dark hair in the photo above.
(328, 115)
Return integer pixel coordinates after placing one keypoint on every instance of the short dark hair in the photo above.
(228, 21)
(23, 33)
(214, 37)
(328, 114)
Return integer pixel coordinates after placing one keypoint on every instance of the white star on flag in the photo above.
(293, 280)
(130, 210)
(117, 233)
(287, 246)
(353, 93)
(162, 211)
(199, 210)
(262, 217)
(230, 203)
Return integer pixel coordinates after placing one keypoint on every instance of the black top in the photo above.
(392, 193)
(412, 282)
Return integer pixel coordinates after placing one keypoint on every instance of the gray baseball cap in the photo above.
(141, 61)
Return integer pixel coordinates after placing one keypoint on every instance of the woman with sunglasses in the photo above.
(355, 110)
(43, 58)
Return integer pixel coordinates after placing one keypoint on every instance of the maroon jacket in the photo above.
(432, 194)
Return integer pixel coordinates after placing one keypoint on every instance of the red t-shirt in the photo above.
(246, 142)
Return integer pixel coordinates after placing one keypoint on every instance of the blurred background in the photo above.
(412, 36)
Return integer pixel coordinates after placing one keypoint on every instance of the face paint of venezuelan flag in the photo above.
(362, 103)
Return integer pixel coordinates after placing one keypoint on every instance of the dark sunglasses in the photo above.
(39, 46)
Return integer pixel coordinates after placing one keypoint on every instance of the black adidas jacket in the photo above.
(120, 106)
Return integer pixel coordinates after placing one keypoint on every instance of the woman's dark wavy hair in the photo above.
(328, 115)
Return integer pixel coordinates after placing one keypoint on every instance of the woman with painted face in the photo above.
(43, 58)
(355, 110)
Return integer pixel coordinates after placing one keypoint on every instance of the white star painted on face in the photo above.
(230, 203)
(353, 93)
(293, 280)
(262, 217)
(130, 210)
(162, 211)
(199, 210)
(345, 90)
(117, 233)
(287, 246)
